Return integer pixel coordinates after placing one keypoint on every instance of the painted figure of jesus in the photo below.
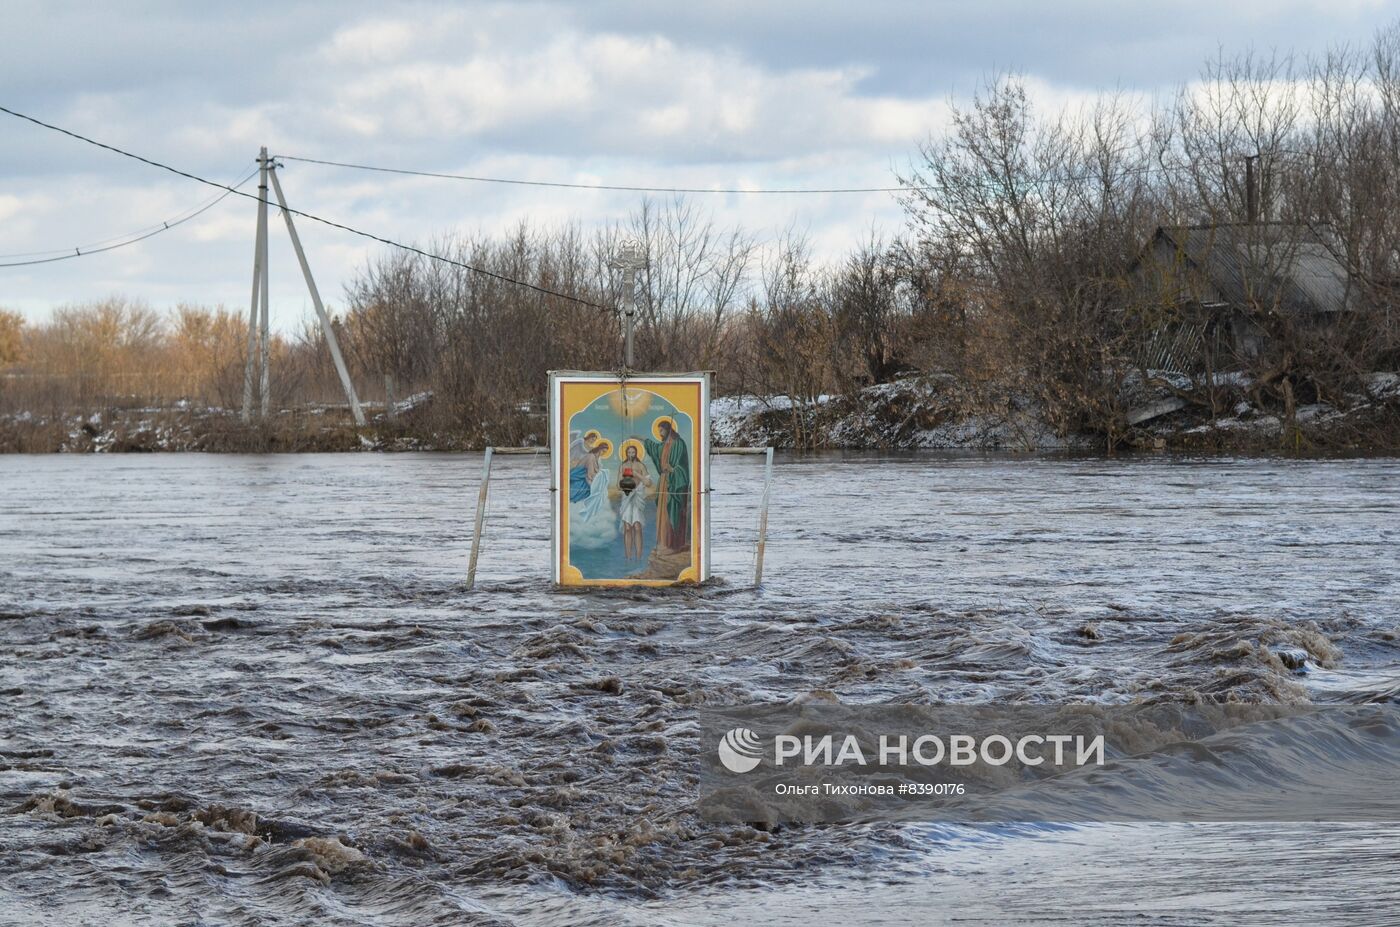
(671, 460)
(633, 482)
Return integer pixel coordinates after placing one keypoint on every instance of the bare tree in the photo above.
(690, 285)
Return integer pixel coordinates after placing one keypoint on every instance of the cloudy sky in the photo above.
(720, 93)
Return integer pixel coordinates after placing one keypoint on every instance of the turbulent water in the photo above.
(254, 690)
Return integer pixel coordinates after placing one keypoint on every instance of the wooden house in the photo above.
(1218, 292)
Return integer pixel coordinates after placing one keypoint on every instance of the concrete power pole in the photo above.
(265, 354)
(326, 328)
(259, 342)
(257, 321)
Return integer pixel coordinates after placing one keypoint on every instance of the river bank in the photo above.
(917, 413)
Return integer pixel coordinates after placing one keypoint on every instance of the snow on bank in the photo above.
(936, 413)
(908, 414)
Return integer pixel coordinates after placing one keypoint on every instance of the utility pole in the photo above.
(629, 310)
(257, 346)
(629, 259)
(265, 383)
(259, 341)
(327, 329)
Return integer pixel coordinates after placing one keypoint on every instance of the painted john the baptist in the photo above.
(668, 454)
(628, 455)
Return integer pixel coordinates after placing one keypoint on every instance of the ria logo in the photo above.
(740, 750)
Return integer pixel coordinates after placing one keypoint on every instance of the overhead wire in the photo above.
(311, 216)
(95, 244)
(625, 188)
(1047, 177)
(120, 241)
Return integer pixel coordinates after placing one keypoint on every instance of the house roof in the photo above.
(1264, 265)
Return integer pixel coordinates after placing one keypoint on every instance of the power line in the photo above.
(626, 188)
(1048, 177)
(121, 241)
(141, 231)
(306, 215)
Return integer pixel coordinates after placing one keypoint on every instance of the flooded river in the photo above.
(254, 690)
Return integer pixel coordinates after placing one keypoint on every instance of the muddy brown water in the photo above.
(253, 690)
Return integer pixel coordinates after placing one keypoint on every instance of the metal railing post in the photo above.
(480, 516)
(763, 517)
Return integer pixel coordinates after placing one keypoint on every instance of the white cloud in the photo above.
(601, 94)
(9, 206)
(373, 41)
